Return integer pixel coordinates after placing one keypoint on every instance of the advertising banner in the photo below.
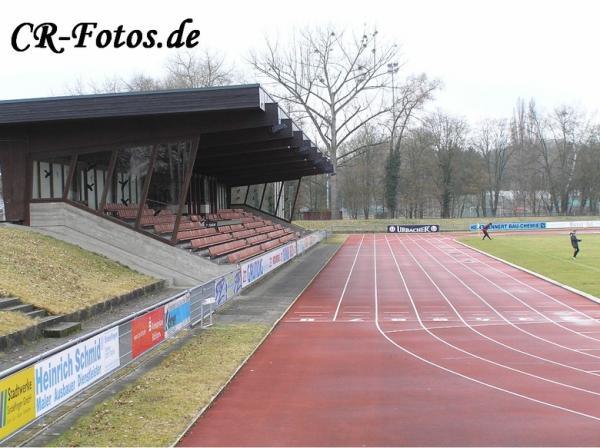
(17, 401)
(409, 228)
(228, 286)
(504, 226)
(63, 375)
(303, 244)
(177, 315)
(255, 269)
(147, 331)
(572, 224)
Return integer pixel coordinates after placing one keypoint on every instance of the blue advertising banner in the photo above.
(511, 226)
(177, 315)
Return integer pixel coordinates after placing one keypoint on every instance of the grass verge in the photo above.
(58, 276)
(549, 255)
(155, 409)
(11, 322)
(380, 225)
(336, 238)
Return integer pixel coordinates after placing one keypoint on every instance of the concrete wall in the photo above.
(133, 249)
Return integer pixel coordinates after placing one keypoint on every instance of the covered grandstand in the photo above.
(214, 171)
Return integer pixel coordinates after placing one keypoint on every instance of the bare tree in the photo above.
(142, 83)
(361, 174)
(184, 70)
(492, 141)
(559, 138)
(418, 164)
(190, 69)
(448, 140)
(407, 99)
(332, 79)
(526, 177)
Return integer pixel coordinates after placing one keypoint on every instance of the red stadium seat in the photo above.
(223, 249)
(203, 243)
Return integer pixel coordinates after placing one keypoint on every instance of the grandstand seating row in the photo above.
(249, 235)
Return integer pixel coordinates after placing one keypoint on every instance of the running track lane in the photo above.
(416, 340)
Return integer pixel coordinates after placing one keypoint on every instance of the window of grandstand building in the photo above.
(89, 177)
(164, 193)
(168, 175)
(126, 186)
(255, 193)
(288, 196)
(238, 195)
(271, 196)
(49, 177)
(221, 196)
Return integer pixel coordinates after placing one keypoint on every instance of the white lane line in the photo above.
(431, 363)
(451, 327)
(337, 310)
(529, 286)
(531, 308)
(466, 352)
(522, 319)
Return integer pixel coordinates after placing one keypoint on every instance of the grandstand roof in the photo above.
(245, 137)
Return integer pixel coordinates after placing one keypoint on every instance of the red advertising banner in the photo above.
(147, 331)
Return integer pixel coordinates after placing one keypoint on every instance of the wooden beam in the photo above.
(186, 186)
(142, 201)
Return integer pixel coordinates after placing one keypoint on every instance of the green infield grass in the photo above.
(549, 255)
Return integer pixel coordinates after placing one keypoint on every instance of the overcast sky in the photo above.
(486, 53)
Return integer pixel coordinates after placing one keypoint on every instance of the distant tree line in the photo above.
(533, 163)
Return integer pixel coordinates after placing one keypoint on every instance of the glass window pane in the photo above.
(87, 185)
(238, 194)
(270, 198)
(35, 193)
(254, 195)
(168, 176)
(287, 198)
(166, 184)
(131, 168)
(49, 177)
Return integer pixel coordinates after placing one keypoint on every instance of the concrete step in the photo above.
(22, 308)
(7, 302)
(61, 329)
(50, 318)
(37, 313)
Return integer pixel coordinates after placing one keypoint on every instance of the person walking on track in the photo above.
(575, 243)
(485, 229)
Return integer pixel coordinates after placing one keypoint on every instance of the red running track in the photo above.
(416, 340)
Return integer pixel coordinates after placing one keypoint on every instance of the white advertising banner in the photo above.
(572, 224)
(63, 375)
(310, 240)
(256, 268)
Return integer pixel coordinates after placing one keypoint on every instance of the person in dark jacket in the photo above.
(575, 243)
(485, 229)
